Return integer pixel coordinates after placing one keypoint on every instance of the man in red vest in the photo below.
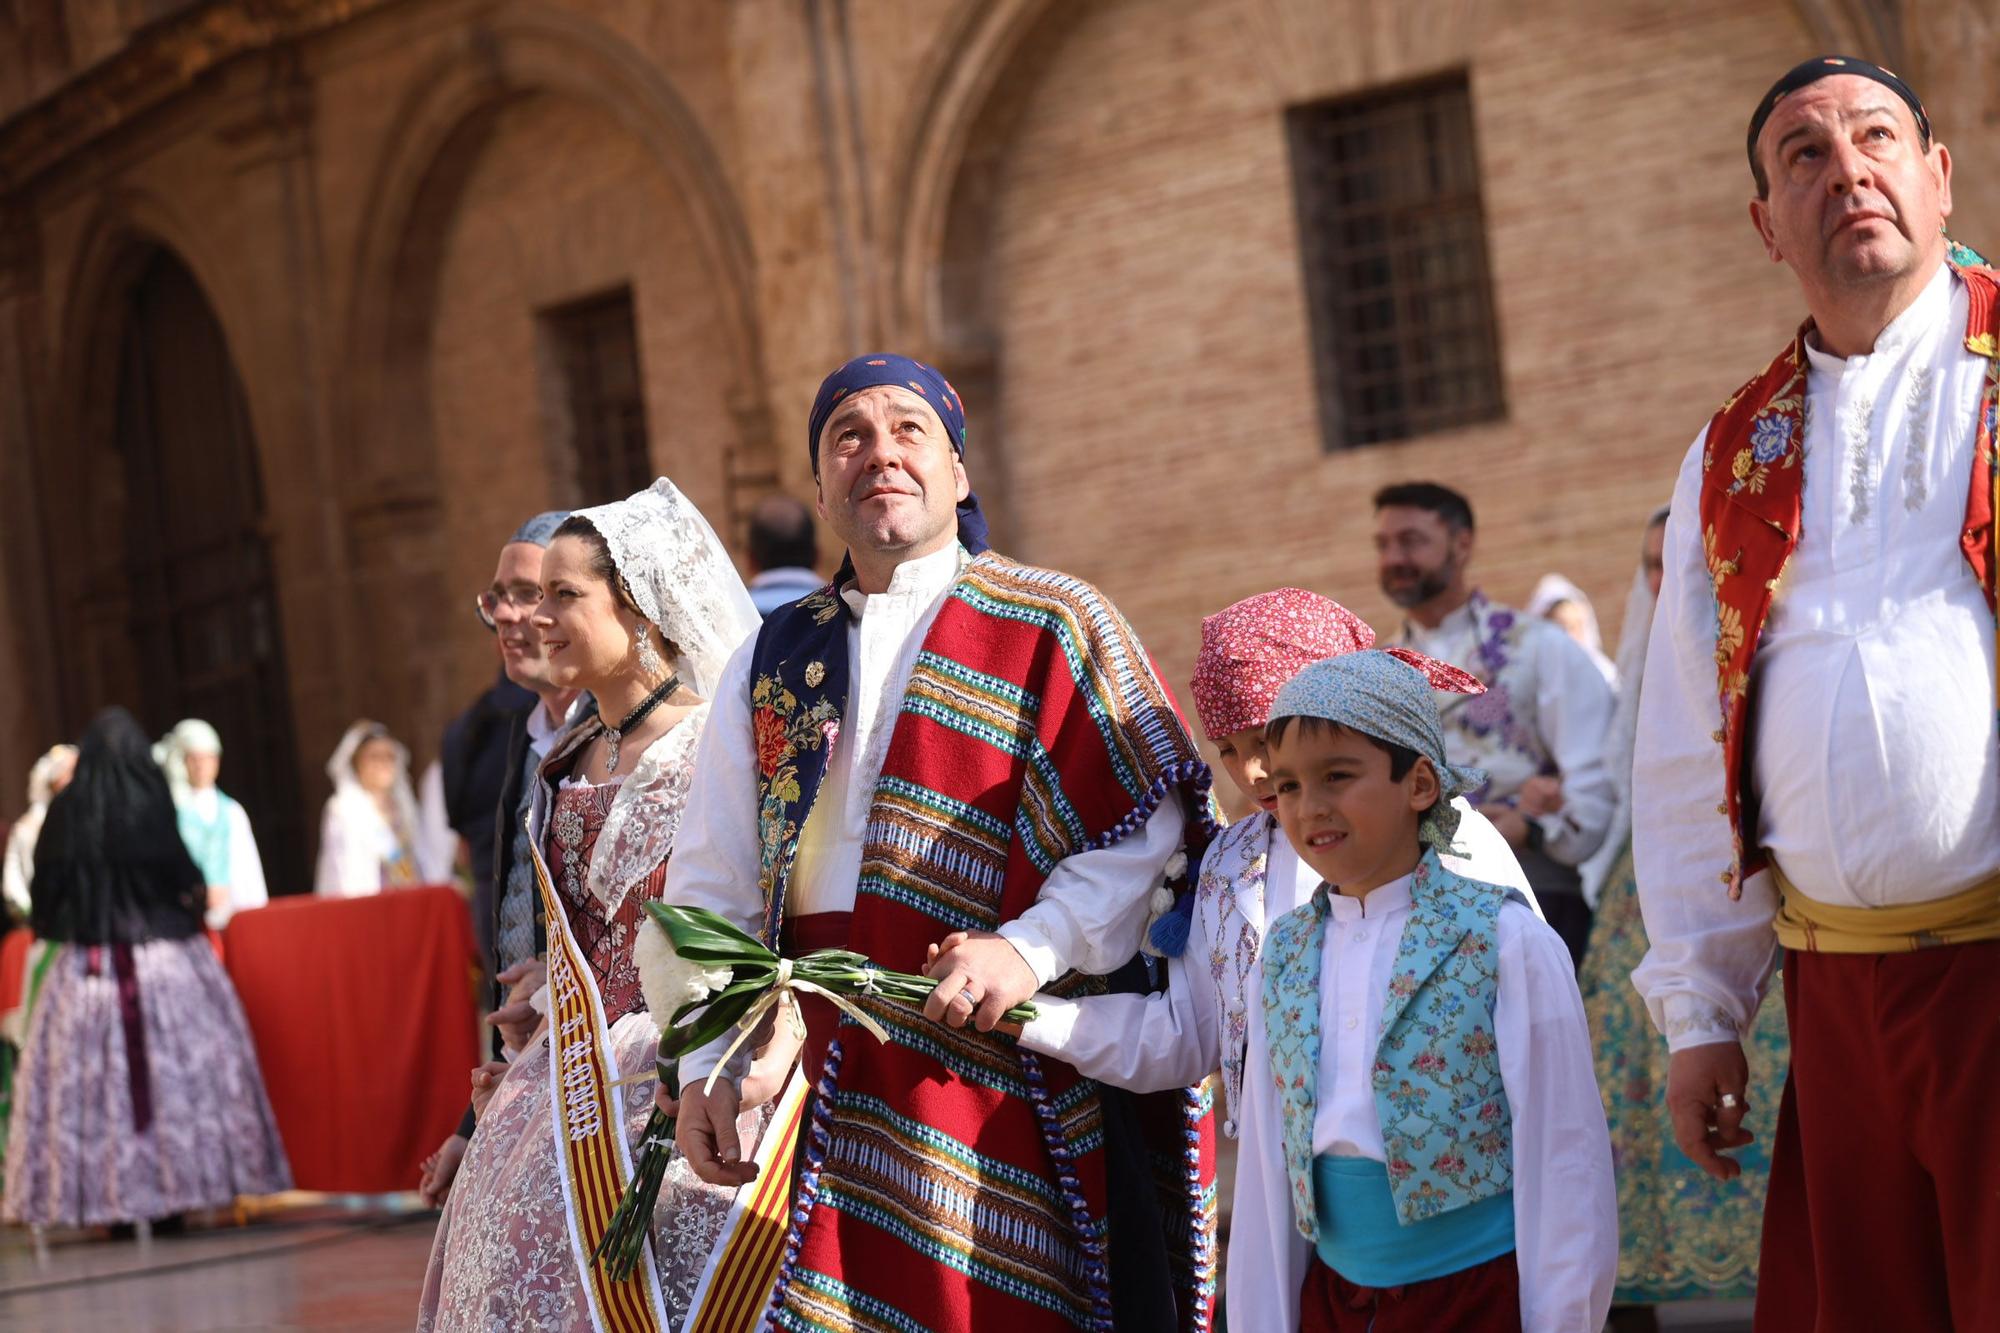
(1817, 776)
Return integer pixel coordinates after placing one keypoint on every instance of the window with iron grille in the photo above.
(1393, 239)
(598, 404)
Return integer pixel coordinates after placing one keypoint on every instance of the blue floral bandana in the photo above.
(1386, 693)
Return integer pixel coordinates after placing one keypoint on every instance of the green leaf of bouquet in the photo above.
(702, 936)
(720, 1016)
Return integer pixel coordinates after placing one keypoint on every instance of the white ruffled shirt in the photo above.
(1565, 1200)
(1091, 908)
(1875, 754)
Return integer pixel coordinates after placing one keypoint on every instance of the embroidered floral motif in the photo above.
(1776, 438)
(1710, 1018)
(822, 606)
(1229, 895)
(815, 673)
(1770, 436)
(1728, 632)
(1859, 428)
(1916, 438)
(782, 729)
(1490, 721)
(1718, 569)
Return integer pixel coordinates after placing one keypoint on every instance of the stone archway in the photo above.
(462, 112)
(163, 589)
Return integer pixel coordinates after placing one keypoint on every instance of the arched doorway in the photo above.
(201, 606)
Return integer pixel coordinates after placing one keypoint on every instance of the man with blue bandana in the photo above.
(944, 740)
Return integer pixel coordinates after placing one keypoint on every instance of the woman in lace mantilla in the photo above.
(641, 607)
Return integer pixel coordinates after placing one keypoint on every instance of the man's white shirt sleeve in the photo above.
(715, 862)
(1710, 956)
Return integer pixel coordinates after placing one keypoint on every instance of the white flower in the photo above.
(668, 980)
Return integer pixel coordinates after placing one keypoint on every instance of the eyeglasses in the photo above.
(523, 597)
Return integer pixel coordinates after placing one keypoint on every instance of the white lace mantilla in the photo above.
(680, 577)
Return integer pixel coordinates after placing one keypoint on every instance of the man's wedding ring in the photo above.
(971, 1000)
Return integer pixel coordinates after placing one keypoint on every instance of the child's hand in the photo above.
(944, 946)
(980, 977)
(486, 1082)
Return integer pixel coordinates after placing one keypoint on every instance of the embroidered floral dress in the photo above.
(1681, 1234)
(75, 1158)
(502, 1258)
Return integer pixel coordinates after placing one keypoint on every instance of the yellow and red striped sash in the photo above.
(736, 1286)
(589, 1130)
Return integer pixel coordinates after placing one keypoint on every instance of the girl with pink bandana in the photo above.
(1250, 876)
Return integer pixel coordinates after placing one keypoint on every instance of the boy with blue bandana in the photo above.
(1423, 1143)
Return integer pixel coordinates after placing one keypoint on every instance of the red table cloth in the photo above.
(366, 1029)
(14, 966)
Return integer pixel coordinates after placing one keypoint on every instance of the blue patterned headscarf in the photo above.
(877, 369)
(1386, 693)
(541, 529)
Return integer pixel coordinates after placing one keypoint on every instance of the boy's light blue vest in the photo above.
(1437, 1083)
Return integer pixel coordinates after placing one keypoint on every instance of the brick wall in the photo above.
(757, 172)
(561, 204)
(1159, 413)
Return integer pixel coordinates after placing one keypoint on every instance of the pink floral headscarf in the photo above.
(1250, 649)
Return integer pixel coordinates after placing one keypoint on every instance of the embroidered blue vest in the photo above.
(1438, 1093)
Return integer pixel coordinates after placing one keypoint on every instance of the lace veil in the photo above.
(680, 578)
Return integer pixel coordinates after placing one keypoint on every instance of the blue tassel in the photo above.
(1170, 932)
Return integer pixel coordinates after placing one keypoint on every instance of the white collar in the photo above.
(1380, 902)
(540, 730)
(1919, 319)
(1455, 622)
(921, 579)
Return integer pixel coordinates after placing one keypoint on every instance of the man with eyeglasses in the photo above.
(507, 921)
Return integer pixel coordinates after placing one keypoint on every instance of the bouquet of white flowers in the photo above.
(695, 960)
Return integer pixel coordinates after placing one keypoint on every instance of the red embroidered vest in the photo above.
(1751, 491)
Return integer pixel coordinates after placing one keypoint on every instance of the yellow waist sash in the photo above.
(1816, 927)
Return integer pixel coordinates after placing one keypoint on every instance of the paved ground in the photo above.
(311, 1266)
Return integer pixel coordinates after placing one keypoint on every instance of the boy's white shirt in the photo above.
(1565, 1198)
